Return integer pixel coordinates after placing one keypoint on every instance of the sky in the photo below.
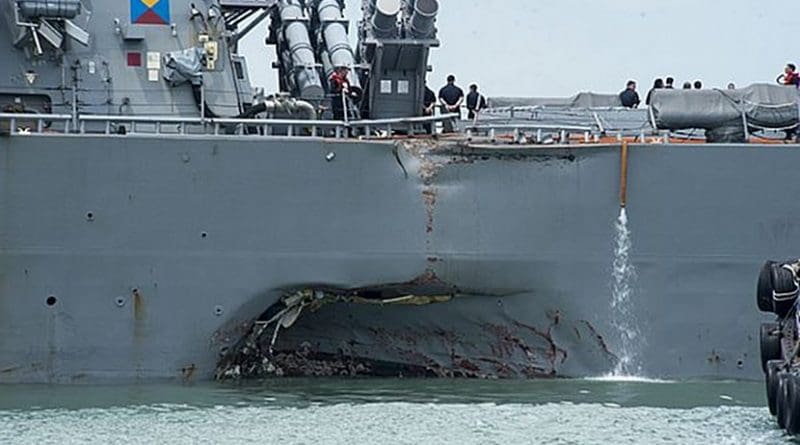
(556, 48)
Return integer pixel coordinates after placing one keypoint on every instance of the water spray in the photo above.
(624, 274)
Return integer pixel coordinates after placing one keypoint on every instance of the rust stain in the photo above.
(467, 365)
(428, 277)
(429, 169)
(429, 196)
(139, 313)
(542, 361)
(501, 368)
(554, 351)
(138, 305)
(600, 339)
(715, 358)
(535, 372)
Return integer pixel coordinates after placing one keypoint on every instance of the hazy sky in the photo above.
(560, 47)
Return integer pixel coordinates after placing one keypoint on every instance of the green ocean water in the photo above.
(391, 412)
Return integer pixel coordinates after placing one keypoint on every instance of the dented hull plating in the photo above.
(128, 258)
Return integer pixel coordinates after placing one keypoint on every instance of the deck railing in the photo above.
(520, 132)
(23, 124)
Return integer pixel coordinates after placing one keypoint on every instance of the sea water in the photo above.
(368, 411)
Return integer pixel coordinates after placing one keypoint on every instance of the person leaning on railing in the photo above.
(790, 76)
(340, 88)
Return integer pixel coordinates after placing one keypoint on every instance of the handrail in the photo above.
(200, 121)
(213, 126)
(30, 124)
(49, 117)
(534, 126)
(42, 121)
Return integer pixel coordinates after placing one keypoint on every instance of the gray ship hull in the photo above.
(159, 253)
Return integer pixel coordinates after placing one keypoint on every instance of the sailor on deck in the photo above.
(629, 97)
(658, 84)
(428, 105)
(476, 102)
(790, 76)
(340, 88)
(451, 98)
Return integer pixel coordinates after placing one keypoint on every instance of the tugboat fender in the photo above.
(785, 289)
(783, 395)
(764, 288)
(793, 405)
(773, 368)
(770, 339)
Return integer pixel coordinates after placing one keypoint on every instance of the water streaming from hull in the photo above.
(623, 318)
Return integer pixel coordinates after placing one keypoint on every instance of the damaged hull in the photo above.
(125, 258)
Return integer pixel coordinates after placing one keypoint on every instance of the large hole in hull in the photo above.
(424, 328)
(256, 356)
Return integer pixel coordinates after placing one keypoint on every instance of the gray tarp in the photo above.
(765, 106)
(184, 66)
(581, 100)
(56, 9)
(600, 119)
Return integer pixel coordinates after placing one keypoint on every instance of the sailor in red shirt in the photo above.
(790, 75)
(340, 87)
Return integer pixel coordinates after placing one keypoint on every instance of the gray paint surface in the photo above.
(526, 234)
(160, 251)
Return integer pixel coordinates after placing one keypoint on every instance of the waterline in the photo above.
(628, 379)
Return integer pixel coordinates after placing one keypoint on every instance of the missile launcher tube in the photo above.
(338, 51)
(301, 53)
(423, 20)
(384, 18)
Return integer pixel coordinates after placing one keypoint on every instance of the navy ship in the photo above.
(160, 220)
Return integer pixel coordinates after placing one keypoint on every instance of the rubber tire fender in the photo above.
(780, 401)
(773, 368)
(770, 343)
(793, 405)
(783, 283)
(764, 288)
